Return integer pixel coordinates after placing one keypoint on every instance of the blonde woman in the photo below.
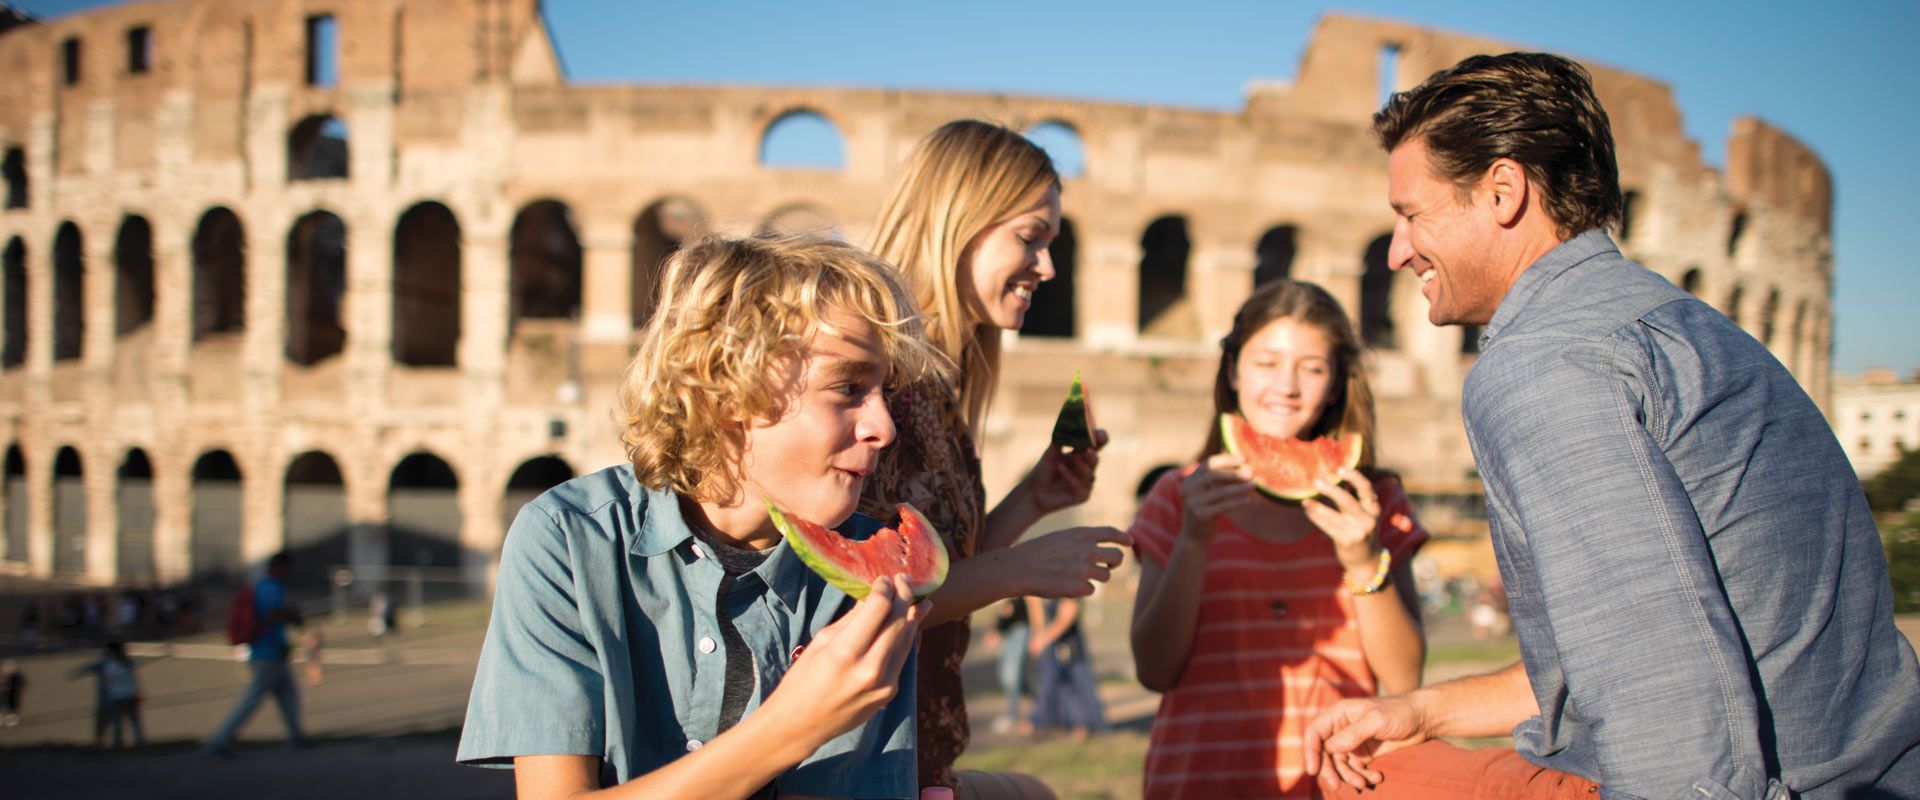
(969, 222)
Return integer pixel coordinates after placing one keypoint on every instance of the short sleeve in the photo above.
(539, 689)
(1399, 529)
(1157, 524)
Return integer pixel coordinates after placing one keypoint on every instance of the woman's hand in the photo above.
(1065, 563)
(852, 667)
(1219, 485)
(1062, 479)
(1351, 521)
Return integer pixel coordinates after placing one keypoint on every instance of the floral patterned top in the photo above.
(933, 465)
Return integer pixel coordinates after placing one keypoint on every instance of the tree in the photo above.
(1893, 487)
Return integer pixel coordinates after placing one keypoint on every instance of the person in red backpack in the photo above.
(267, 658)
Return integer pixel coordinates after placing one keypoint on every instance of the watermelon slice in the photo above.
(1074, 427)
(1286, 467)
(913, 549)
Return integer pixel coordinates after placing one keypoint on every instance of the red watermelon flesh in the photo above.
(1287, 467)
(912, 548)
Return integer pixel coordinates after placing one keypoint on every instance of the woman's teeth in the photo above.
(1022, 292)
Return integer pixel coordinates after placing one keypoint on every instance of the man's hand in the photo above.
(851, 668)
(1341, 743)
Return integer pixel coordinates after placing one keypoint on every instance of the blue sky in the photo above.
(1839, 76)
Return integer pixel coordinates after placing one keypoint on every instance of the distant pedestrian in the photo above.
(116, 695)
(1066, 695)
(1012, 629)
(267, 659)
(13, 687)
(28, 631)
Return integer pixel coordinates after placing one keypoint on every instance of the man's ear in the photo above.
(1506, 181)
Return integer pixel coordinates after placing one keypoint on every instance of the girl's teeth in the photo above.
(1023, 292)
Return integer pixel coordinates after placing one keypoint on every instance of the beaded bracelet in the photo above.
(1379, 580)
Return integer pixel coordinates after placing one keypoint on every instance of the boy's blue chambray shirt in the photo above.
(605, 642)
(1699, 589)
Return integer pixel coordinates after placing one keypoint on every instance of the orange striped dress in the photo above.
(1276, 643)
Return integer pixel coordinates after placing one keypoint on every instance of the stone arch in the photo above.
(1691, 281)
(1769, 310)
(1164, 251)
(218, 518)
(1734, 299)
(544, 263)
(1376, 296)
(313, 515)
(13, 285)
(799, 219)
(1274, 254)
(316, 288)
(1062, 143)
(69, 512)
(426, 287)
(14, 166)
(1735, 232)
(423, 512)
(657, 234)
(132, 275)
(802, 138)
(15, 476)
(1629, 213)
(133, 496)
(1052, 313)
(533, 476)
(69, 293)
(219, 275)
(1151, 477)
(317, 149)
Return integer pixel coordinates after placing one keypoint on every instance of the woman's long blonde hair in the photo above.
(962, 179)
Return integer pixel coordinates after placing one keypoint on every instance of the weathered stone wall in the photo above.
(459, 108)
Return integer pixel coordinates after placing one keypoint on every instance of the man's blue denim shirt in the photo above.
(605, 642)
(1699, 589)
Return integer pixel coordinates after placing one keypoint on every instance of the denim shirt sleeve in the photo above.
(1640, 646)
(538, 688)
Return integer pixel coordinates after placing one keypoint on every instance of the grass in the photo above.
(1104, 767)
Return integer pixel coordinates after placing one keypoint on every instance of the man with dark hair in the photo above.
(267, 658)
(1698, 586)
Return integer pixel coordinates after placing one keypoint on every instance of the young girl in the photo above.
(969, 222)
(1253, 614)
(649, 623)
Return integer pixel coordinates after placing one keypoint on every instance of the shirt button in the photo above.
(699, 552)
(693, 744)
(706, 644)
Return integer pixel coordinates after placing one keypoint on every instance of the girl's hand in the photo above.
(1067, 562)
(1219, 485)
(1061, 479)
(1350, 521)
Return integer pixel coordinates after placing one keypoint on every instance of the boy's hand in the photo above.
(851, 669)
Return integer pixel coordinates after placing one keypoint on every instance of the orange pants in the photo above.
(1440, 771)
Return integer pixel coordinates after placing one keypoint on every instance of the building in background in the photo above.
(1877, 417)
(359, 279)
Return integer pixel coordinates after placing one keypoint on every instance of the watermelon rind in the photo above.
(1230, 437)
(1074, 427)
(799, 535)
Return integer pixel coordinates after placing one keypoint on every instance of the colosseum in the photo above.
(357, 277)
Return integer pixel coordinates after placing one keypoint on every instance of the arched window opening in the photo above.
(218, 504)
(657, 235)
(545, 263)
(1376, 296)
(1767, 313)
(1274, 254)
(1052, 312)
(533, 476)
(314, 515)
(219, 276)
(133, 276)
(423, 512)
(1734, 233)
(799, 219)
(69, 513)
(1164, 248)
(426, 287)
(1690, 281)
(1733, 304)
(317, 148)
(802, 139)
(14, 168)
(69, 293)
(1629, 207)
(1062, 144)
(16, 489)
(13, 352)
(316, 287)
(133, 498)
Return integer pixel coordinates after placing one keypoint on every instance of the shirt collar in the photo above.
(1535, 278)
(785, 574)
(662, 528)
